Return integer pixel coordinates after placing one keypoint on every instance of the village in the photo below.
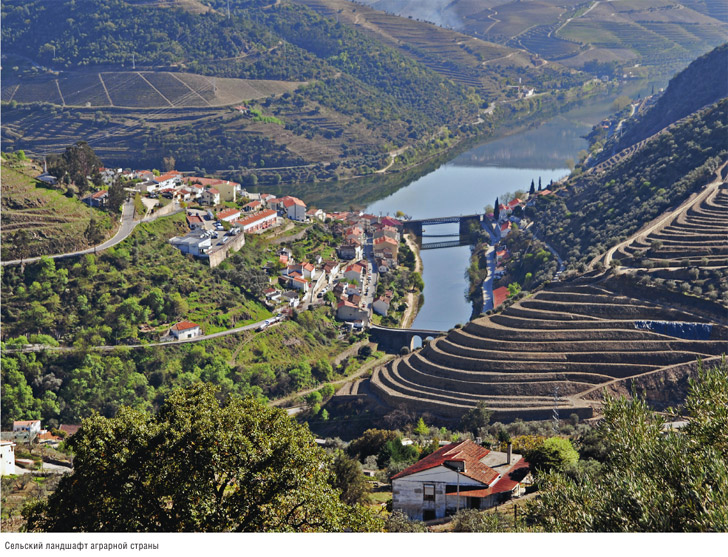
(221, 213)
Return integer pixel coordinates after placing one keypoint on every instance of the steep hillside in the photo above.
(703, 82)
(143, 81)
(597, 36)
(593, 211)
(648, 233)
(38, 220)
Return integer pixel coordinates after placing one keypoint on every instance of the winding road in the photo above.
(127, 227)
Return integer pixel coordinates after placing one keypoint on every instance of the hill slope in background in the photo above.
(369, 90)
(703, 82)
(595, 36)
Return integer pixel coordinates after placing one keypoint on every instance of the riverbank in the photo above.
(413, 304)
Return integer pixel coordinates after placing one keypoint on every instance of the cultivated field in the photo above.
(559, 348)
(141, 90)
(37, 220)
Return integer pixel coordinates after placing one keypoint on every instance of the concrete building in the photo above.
(197, 242)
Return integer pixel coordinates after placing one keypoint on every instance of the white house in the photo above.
(354, 272)
(168, 179)
(381, 304)
(210, 196)
(458, 476)
(185, 329)
(26, 430)
(229, 215)
(196, 242)
(258, 221)
(295, 208)
(7, 458)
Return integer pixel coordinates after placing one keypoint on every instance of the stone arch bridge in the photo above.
(393, 340)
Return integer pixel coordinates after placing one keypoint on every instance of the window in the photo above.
(429, 493)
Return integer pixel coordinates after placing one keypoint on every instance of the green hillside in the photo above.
(143, 81)
(38, 220)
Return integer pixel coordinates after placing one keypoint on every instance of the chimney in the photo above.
(509, 451)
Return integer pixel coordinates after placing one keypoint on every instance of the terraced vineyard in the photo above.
(559, 348)
(698, 234)
(142, 90)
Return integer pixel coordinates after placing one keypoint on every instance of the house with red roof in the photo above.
(194, 221)
(185, 329)
(386, 247)
(295, 208)
(26, 430)
(348, 311)
(229, 215)
(97, 199)
(259, 221)
(460, 475)
(211, 196)
(500, 295)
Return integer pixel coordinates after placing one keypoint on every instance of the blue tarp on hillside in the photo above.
(678, 329)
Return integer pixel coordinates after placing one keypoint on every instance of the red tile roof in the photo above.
(507, 483)
(228, 213)
(262, 215)
(499, 296)
(184, 325)
(391, 222)
(466, 451)
(289, 201)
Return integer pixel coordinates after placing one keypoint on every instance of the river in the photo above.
(473, 180)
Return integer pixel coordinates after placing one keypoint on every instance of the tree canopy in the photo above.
(197, 465)
(652, 480)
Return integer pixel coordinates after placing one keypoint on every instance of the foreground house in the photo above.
(458, 476)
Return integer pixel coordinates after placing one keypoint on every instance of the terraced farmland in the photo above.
(559, 348)
(141, 90)
(40, 221)
(697, 234)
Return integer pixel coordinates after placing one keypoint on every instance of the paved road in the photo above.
(664, 219)
(40, 347)
(127, 226)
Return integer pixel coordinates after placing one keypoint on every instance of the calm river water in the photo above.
(465, 186)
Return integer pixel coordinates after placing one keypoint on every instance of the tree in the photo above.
(370, 443)
(651, 480)
(349, 478)
(476, 418)
(197, 465)
(556, 453)
(168, 163)
(417, 282)
(533, 188)
(421, 427)
(116, 196)
(496, 209)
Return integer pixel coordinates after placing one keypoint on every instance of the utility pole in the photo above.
(555, 412)
(133, 62)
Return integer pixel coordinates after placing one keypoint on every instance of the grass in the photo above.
(39, 220)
